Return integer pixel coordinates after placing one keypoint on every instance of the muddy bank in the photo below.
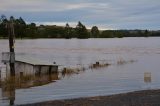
(138, 98)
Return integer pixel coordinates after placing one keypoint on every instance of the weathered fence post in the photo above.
(10, 27)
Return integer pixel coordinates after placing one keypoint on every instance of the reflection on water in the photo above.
(11, 84)
(8, 90)
(30, 80)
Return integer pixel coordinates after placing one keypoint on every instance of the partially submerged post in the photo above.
(147, 77)
(10, 28)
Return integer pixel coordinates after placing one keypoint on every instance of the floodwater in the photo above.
(142, 72)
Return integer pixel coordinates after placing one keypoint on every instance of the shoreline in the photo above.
(136, 98)
(81, 38)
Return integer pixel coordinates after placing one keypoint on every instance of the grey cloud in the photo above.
(110, 13)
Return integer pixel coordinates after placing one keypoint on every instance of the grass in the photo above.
(122, 61)
(99, 65)
(70, 71)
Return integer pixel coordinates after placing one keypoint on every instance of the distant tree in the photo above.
(12, 18)
(68, 32)
(3, 19)
(118, 33)
(41, 31)
(113, 33)
(95, 32)
(20, 27)
(31, 30)
(146, 33)
(107, 34)
(55, 31)
(46, 31)
(81, 31)
(3, 30)
(21, 21)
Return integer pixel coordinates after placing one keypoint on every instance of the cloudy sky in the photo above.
(106, 14)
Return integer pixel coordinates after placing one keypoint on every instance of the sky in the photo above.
(106, 14)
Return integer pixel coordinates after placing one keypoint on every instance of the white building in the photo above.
(30, 66)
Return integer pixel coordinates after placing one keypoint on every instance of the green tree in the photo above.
(81, 31)
(107, 34)
(31, 31)
(146, 33)
(3, 30)
(68, 32)
(20, 27)
(95, 32)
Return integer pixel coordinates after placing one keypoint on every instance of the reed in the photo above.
(122, 62)
(99, 65)
(70, 71)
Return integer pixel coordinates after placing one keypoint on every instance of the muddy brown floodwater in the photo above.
(134, 65)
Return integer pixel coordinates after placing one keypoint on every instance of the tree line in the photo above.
(31, 30)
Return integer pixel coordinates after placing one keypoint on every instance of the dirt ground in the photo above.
(138, 98)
